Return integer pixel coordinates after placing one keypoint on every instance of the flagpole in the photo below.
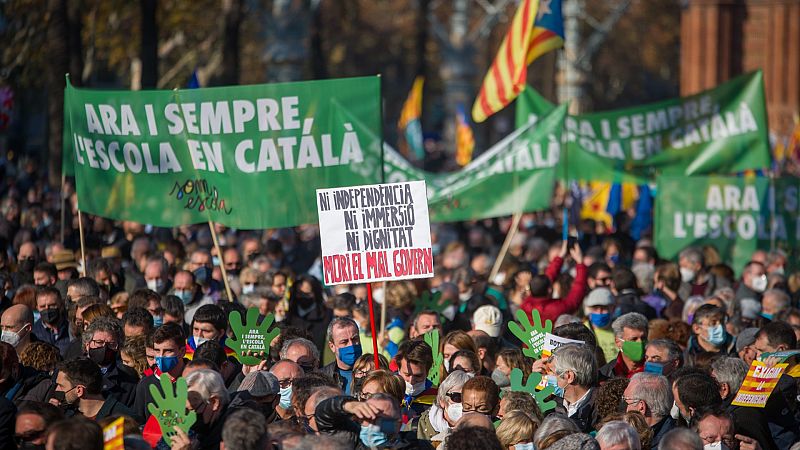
(372, 325)
(221, 260)
(80, 232)
(63, 204)
(506, 244)
(383, 310)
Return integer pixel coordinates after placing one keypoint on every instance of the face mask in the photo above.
(675, 412)
(716, 335)
(654, 367)
(450, 312)
(279, 317)
(248, 288)
(372, 436)
(166, 363)
(36, 314)
(465, 296)
(687, 275)
(525, 446)
(199, 340)
(102, 356)
(500, 379)
(185, 296)
(633, 350)
(348, 355)
(446, 365)
(305, 300)
(61, 396)
(715, 446)
(155, 285)
(202, 274)
(552, 380)
(614, 259)
(286, 397)
(600, 319)
(51, 316)
(763, 314)
(760, 283)
(10, 338)
(415, 389)
(27, 265)
(779, 271)
(455, 411)
(158, 321)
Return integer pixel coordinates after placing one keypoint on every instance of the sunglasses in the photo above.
(454, 396)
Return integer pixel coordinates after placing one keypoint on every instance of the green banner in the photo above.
(735, 215)
(246, 156)
(719, 131)
(517, 174)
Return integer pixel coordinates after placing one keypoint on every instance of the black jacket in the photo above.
(332, 420)
(629, 301)
(332, 370)
(751, 422)
(8, 420)
(31, 385)
(586, 415)
(660, 429)
(316, 323)
(120, 382)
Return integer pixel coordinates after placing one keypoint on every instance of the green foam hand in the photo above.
(428, 301)
(529, 333)
(530, 387)
(432, 339)
(169, 409)
(249, 338)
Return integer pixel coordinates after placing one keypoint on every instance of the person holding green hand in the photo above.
(630, 337)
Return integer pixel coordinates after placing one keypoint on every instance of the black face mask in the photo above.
(30, 446)
(26, 265)
(305, 300)
(358, 383)
(51, 316)
(102, 356)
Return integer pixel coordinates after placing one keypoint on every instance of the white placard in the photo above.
(378, 232)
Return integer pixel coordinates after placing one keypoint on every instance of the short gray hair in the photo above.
(631, 320)
(694, 255)
(553, 424)
(302, 341)
(618, 432)
(682, 438)
(579, 359)
(673, 350)
(208, 383)
(244, 429)
(340, 322)
(110, 325)
(655, 391)
(780, 296)
(456, 379)
(250, 300)
(729, 370)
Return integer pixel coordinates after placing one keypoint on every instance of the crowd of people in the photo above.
(90, 332)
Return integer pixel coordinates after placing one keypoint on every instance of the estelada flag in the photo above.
(410, 116)
(537, 28)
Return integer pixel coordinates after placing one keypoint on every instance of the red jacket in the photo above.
(551, 308)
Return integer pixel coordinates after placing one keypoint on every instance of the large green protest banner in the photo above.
(718, 131)
(516, 175)
(246, 156)
(737, 215)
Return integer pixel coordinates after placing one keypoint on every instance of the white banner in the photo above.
(374, 233)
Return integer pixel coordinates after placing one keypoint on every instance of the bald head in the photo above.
(476, 333)
(474, 419)
(17, 316)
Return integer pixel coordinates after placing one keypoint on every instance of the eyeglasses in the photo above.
(454, 396)
(28, 437)
(97, 343)
(630, 400)
(361, 373)
(286, 382)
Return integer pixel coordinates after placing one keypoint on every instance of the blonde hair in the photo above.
(517, 426)
(400, 294)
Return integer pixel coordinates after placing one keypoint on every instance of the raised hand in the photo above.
(251, 341)
(432, 339)
(430, 301)
(576, 253)
(529, 333)
(170, 409)
(530, 387)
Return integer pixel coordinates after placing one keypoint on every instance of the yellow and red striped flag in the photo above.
(508, 73)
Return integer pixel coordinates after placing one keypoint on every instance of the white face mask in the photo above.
(675, 412)
(455, 411)
(687, 275)
(155, 284)
(198, 341)
(446, 365)
(248, 288)
(465, 296)
(10, 337)
(450, 312)
(715, 446)
(760, 283)
(415, 389)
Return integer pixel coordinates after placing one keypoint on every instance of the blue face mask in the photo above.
(185, 296)
(654, 367)
(166, 363)
(716, 335)
(286, 397)
(202, 274)
(158, 321)
(525, 446)
(348, 355)
(372, 436)
(600, 319)
(552, 380)
(767, 316)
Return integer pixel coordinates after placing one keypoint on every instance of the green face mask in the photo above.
(633, 350)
